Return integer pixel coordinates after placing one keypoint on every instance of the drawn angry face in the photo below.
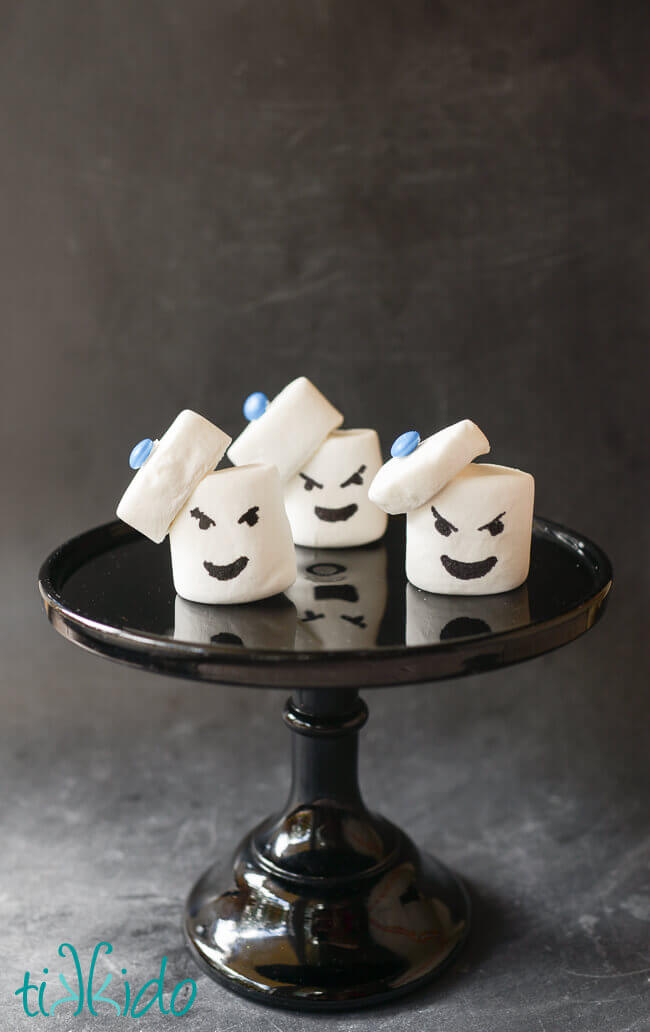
(327, 502)
(231, 542)
(473, 538)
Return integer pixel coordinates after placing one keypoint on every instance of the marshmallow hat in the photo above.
(169, 470)
(326, 471)
(229, 534)
(468, 525)
(286, 431)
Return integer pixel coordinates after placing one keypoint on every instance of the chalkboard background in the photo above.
(435, 210)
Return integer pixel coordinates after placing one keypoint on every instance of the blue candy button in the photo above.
(405, 444)
(255, 405)
(140, 453)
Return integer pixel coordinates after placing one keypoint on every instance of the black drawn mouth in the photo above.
(228, 572)
(468, 571)
(335, 515)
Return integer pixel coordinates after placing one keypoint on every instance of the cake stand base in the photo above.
(328, 906)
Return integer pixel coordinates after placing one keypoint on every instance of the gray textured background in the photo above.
(435, 210)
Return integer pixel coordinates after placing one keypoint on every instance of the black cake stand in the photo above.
(327, 905)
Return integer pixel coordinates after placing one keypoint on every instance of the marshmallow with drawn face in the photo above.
(434, 618)
(468, 525)
(327, 502)
(340, 597)
(231, 542)
(270, 624)
(473, 537)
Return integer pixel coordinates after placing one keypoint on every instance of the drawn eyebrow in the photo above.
(486, 525)
(309, 481)
(205, 522)
(355, 478)
(250, 516)
(442, 518)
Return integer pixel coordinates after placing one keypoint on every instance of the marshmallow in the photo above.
(327, 501)
(270, 624)
(231, 542)
(340, 597)
(434, 618)
(473, 537)
(191, 447)
(289, 431)
(406, 482)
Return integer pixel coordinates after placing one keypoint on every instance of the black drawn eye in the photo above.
(310, 483)
(250, 516)
(356, 478)
(204, 521)
(495, 526)
(442, 525)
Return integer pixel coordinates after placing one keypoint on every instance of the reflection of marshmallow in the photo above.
(405, 483)
(231, 541)
(270, 624)
(473, 537)
(186, 452)
(434, 618)
(288, 433)
(327, 502)
(340, 597)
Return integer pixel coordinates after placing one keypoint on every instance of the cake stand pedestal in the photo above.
(326, 905)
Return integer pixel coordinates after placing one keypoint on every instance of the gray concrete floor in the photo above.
(528, 782)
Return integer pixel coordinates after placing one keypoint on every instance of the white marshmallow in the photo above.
(294, 425)
(191, 447)
(340, 597)
(270, 624)
(405, 483)
(473, 537)
(434, 618)
(231, 541)
(327, 502)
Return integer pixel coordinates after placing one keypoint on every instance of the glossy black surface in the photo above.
(328, 906)
(351, 613)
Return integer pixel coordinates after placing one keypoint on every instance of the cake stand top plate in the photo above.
(352, 618)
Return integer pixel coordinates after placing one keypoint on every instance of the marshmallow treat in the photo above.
(340, 597)
(270, 624)
(473, 537)
(168, 470)
(327, 501)
(418, 471)
(229, 534)
(434, 618)
(286, 431)
(231, 542)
